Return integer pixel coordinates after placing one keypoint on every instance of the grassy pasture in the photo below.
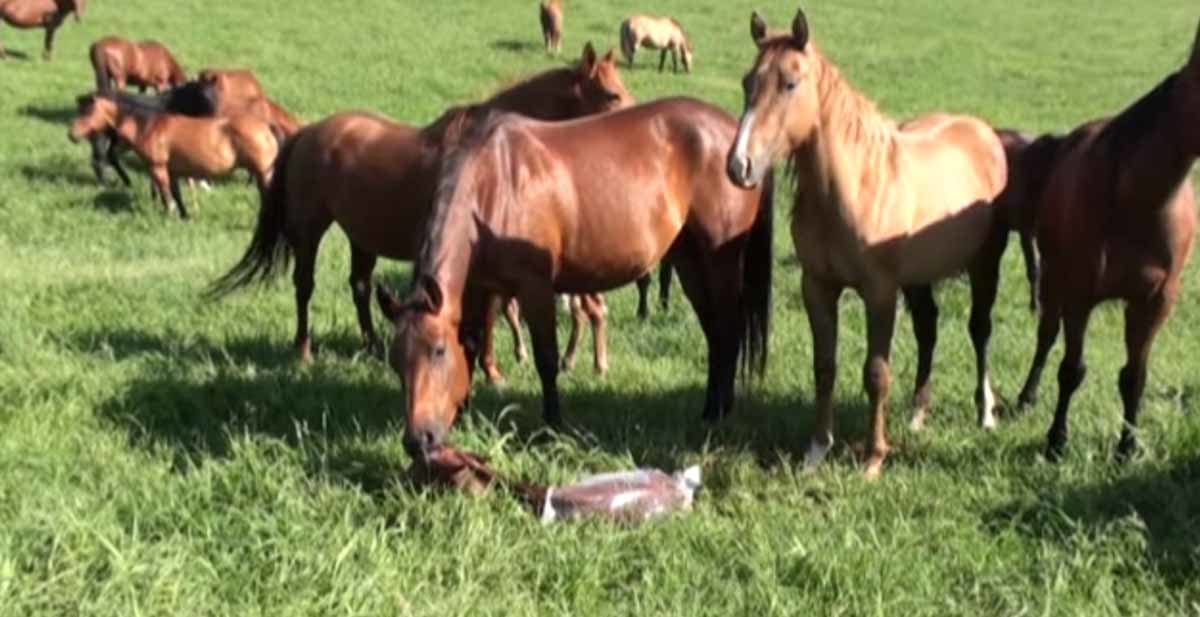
(162, 455)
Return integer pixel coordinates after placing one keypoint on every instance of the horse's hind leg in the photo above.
(877, 375)
(52, 28)
(696, 287)
(643, 288)
(1070, 375)
(665, 270)
(662, 59)
(924, 312)
(1142, 322)
(820, 303)
(114, 159)
(1049, 320)
(362, 266)
(512, 315)
(492, 306)
(593, 305)
(1033, 268)
(985, 279)
(177, 195)
(575, 303)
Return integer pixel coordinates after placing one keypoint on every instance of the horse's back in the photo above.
(961, 147)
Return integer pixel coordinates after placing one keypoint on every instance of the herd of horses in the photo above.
(561, 184)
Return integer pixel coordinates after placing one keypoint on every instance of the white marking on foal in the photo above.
(817, 451)
(987, 419)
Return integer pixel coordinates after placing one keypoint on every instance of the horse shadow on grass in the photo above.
(1161, 503)
(62, 116)
(15, 54)
(514, 45)
(58, 174)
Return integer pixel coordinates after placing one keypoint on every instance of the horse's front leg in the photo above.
(487, 352)
(985, 279)
(662, 59)
(924, 312)
(51, 28)
(877, 374)
(538, 305)
(821, 305)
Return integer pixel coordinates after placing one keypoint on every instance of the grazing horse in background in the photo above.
(663, 33)
(48, 14)
(1116, 220)
(879, 208)
(376, 179)
(531, 209)
(174, 146)
(238, 91)
(190, 99)
(550, 13)
(144, 64)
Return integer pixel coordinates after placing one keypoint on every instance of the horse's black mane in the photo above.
(1130, 126)
(193, 98)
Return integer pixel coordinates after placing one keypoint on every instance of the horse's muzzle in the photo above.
(420, 443)
(741, 171)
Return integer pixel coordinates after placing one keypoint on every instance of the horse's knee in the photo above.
(1070, 375)
(876, 376)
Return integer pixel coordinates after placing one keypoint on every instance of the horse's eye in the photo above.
(439, 352)
(789, 85)
(611, 96)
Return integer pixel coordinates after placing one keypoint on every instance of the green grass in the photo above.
(161, 455)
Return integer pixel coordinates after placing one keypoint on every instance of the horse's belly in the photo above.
(383, 216)
(941, 249)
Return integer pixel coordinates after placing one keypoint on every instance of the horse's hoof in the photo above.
(917, 424)
(817, 451)
(567, 365)
(1055, 449)
(874, 469)
(496, 379)
(1127, 448)
(1026, 401)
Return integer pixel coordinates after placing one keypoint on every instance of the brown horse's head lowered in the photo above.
(95, 114)
(782, 102)
(600, 88)
(431, 361)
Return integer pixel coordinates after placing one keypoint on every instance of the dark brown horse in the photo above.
(1116, 221)
(376, 179)
(1029, 163)
(530, 208)
(144, 64)
(47, 14)
(238, 91)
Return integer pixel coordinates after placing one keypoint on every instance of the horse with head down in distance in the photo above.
(664, 33)
(1116, 220)
(118, 62)
(46, 14)
(376, 178)
(531, 209)
(880, 208)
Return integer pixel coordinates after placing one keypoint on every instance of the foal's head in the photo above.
(95, 114)
(781, 101)
(599, 84)
(431, 361)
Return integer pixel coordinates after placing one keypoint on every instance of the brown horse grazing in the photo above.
(1116, 221)
(529, 208)
(48, 14)
(663, 33)
(145, 64)
(238, 91)
(550, 13)
(879, 208)
(351, 168)
(175, 146)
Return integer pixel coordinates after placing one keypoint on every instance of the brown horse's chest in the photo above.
(826, 247)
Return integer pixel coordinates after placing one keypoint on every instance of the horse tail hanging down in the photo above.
(269, 251)
(100, 65)
(756, 284)
(628, 41)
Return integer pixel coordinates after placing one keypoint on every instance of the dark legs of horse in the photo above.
(712, 286)
(114, 159)
(985, 280)
(305, 240)
(1033, 268)
(665, 271)
(540, 313)
(51, 28)
(643, 287)
(924, 312)
(821, 304)
(1070, 375)
(362, 288)
(1142, 322)
(662, 59)
(1049, 319)
(178, 197)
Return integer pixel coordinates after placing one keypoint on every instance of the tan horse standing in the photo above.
(144, 64)
(48, 14)
(350, 169)
(175, 146)
(1117, 221)
(878, 208)
(550, 13)
(663, 33)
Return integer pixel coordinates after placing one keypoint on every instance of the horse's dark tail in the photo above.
(103, 79)
(757, 263)
(269, 251)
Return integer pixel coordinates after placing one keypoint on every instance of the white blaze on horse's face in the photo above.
(781, 106)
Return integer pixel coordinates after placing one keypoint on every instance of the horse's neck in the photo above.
(541, 97)
(1154, 168)
(130, 126)
(850, 156)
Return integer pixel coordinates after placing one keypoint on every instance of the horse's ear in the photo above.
(758, 28)
(608, 57)
(588, 63)
(1195, 59)
(800, 30)
(388, 303)
(433, 292)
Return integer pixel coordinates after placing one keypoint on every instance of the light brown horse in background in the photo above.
(531, 209)
(550, 14)
(651, 32)
(176, 146)
(1117, 221)
(144, 64)
(376, 179)
(48, 14)
(878, 208)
